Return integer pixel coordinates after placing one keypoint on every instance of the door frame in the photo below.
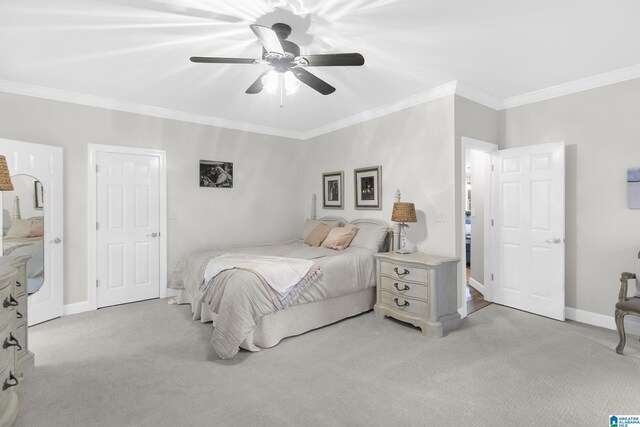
(475, 144)
(92, 215)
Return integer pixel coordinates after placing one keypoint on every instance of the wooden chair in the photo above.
(624, 306)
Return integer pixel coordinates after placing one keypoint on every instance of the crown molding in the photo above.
(417, 99)
(581, 85)
(455, 87)
(146, 110)
(474, 94)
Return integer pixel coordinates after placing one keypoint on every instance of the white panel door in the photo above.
(529, 229)
(128, 228)
(44, 163)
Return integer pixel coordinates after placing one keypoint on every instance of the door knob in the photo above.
(56, 240)
(154, 234)
(554, 240)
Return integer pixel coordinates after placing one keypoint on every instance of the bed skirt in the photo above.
(298, 319)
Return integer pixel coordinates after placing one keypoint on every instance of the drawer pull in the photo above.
(401, 275)
(11, 341)
(406, 303)
(9, 301)
(18, 284)
(7, 384)
(18, 315)
(406, 287)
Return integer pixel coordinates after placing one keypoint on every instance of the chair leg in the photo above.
(620, 325)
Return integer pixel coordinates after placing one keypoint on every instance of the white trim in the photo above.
(467, 91)
(476, 285)
(76, 307)
(92, 216)
(411, 101)
(467, 144)
(631, 323)
(575, 86)
(454, 87)
(130, 107)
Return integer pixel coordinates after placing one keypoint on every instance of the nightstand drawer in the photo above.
(406, 305)
(402, 288)
(401, 272)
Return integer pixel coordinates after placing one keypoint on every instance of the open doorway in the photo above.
(476, 162)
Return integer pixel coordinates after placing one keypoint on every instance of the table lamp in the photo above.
(403, 212)
(5, 176)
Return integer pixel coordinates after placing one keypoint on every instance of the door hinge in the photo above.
(492, 277)
(97, 283)
(493, 168)
(492, 223)
(97, 226)
(96, 168)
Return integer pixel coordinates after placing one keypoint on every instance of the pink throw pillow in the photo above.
(37, 228)
(317, 235)
(339, 238)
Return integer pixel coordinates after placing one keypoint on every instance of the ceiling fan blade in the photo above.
(331, 59)
(269, 39)
(312, 81)
(215, 60)
(257, 86)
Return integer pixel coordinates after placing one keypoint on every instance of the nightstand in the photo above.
(419, 289)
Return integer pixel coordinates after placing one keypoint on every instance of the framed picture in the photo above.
(38, 195)
(368, 187)
(216, 174)
(332, 190)
(633, 188)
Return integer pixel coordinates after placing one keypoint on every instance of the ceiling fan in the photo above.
(288, 65)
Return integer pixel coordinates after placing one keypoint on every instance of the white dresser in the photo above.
(8, 376)
(419, 289)
(15, 358)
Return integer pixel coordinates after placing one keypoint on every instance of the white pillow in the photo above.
(20, 228)
(370, 236)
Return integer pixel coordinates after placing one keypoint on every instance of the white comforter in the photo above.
(236, 299)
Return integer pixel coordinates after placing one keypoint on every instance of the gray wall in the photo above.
(264, 205)
(416, 151)
(601, 130)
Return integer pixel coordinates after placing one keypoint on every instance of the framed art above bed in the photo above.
(368, 183)
(332, 190)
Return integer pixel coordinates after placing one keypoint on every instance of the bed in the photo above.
(244, 313)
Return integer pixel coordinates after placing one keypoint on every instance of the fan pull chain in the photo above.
(281, 78)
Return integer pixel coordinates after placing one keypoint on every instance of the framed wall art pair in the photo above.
(367, 188)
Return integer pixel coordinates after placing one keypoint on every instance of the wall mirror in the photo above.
(23, 226)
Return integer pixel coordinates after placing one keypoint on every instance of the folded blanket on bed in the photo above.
(282, 275)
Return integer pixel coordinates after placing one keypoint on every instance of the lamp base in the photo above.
(403, 251)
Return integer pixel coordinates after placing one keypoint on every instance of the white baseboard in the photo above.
(82, 306)
(476, 285)
(631, 323)
(76, 307)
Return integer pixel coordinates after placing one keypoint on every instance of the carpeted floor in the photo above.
(149, 364)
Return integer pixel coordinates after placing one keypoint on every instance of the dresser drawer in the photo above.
(405, 304)
(8, 378)
(21, 335)
(20, 288)
(6, 354)
(401, 272)
(403, 288)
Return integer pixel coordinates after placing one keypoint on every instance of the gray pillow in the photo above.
(370, 236)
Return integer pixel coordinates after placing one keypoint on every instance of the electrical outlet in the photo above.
(441, 216)
(173, 216)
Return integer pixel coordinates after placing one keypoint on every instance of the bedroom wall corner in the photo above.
(415, 148)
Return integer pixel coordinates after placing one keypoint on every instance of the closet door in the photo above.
(43, 165)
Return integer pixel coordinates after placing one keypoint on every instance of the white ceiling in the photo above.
(134, 54)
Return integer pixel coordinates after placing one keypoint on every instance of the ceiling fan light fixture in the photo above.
(271, 81)
(291, 83)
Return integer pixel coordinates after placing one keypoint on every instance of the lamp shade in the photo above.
(403, 212)
(5, 177)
